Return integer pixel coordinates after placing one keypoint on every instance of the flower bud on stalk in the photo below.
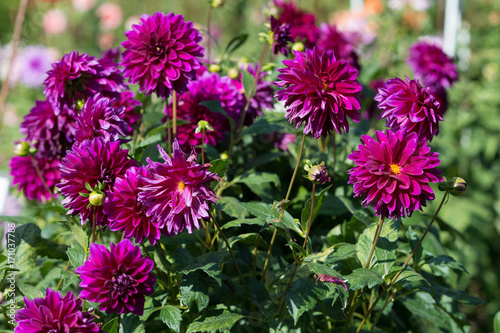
(458, 186)
(96, 198)
(21, 148)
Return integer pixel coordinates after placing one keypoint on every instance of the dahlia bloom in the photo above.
(281, 37)
(112, 81)
(24, 174)
(130, 114)
(208, 87)
(409, 107)
(54, 313)
(331, 38)
(302, 24)
(76, 76)
(178, 191)
(393, 171)
(99, 118)
(126, 212)
(51, 134)
(320, 91)
(93, 161)
(431, 65)
(161, 53)
(118, 278)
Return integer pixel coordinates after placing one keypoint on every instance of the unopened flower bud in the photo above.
(96, 198)
(214, 68)
(217, 3)
(299, 46)
(318, 174)
(458, 186)
(21, 148)
(233, 73)
(224, 156)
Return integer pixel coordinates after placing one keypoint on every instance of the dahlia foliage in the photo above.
(164, 185)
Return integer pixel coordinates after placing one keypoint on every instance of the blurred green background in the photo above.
(468, 142)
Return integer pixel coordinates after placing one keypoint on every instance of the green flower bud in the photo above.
(217, 3)
(299, 46)
(21, 148)
(224, 156)
(233, 73)
(96, 198)
(214, 68)
(458, 186)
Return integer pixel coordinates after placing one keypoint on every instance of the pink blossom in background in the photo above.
(54, 22)
(111, 16)
(106, 40)
(129, 22)
(34, 61)
(82, 5)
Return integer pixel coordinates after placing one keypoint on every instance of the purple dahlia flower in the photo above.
(393, 172)
(207, 87)
(331, 38)
(178, 191)
(112, 82)
(161, 53)
(431, 65)
(281, 37)
(131, 116)
(99, 118)
(126, 212)
(55, 314)
(409, 107)
(94, 161)
(25, 175)
(75, 77)
(51, 134)
(118, 278)
(302, 24)
(320, 91)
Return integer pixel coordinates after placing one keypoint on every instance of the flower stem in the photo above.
(93, 214)
(370, 309)
(174, 111)
(16, 35)
(310, 216)
(169, 134)
(118, 323)
(203, 146)
(209, 18)
(232, 254)
(282, 304)
(266, 263)
(62, 278)
(375, 240)
(254, 264)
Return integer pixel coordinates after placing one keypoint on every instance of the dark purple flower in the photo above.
(207, 87)
(118, 278)
(131, 114)
(75, 77)
(161, 53)
(393, 171)
(334, 40)
(410, 107)
(112, 82)
(431, 65)
(51, 134)
(178, 191)
(282, 38)
(94, 161)
(25, 175)
(99, 118)
(302, 24)
(55, 314)
(320, 91)
(126, 212)
(318, 174)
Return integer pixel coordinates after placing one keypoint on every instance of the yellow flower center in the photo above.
(395, 169)
(326, 86)
(181, 186)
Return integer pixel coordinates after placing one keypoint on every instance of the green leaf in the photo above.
(194, 292)
(29, 291)
(362, 277)
(80, 235)
(444, 260)
(409, 278)
(235, 43)
(76, 255)
(27, 239)
(318, 202)
(248, 238)
(247, 82)
(496, 322)
(219, 167)
(111, 326)
(232, 207)
(251, 178)
(68, 279)
(132, 324)
(216, 107)
(412, 237)
(360, 214)
(208, 263)
(222, 322)
(172, 317)
(239, 222)
(17, 219)
(262, 126)
(258, 292)
(303, 296)
(148, 312)
(149, 140)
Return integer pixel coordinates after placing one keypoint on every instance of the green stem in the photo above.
(282, 304)
(62, 278)
(370, 309)
(203, 145)
(310, 216)
(169, 135)
(118, 323)
(375, 240)
(174, 111)
(254, 271)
